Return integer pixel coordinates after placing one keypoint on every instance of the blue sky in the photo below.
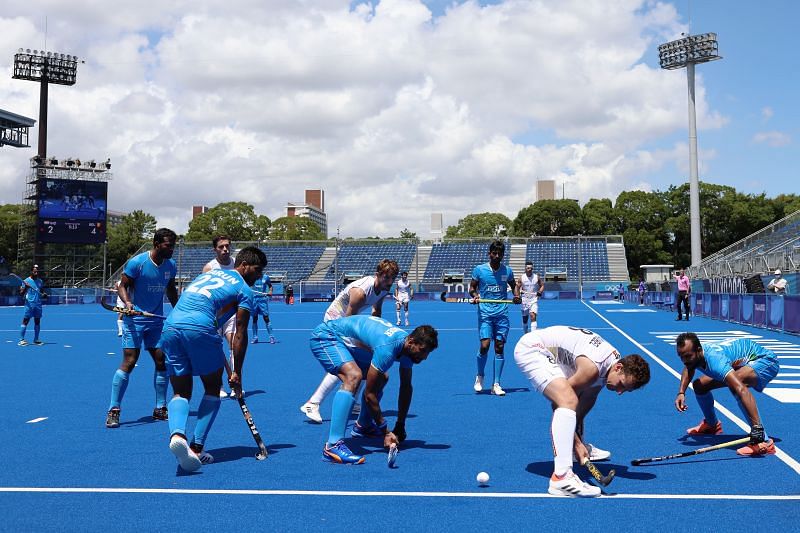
(402, 108)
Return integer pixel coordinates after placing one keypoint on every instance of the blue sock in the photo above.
(118, 385)
(499, 362)
(22, 330)
(255, 328)
(342, 405)
(206, 413)
(178, 409)
(160, 384)
(36, 329)
(365, 416)
(706, 402)
(482, 364)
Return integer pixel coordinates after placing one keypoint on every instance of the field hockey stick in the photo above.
(28, 285)
(128, 312)
(461, 299)
(251, 425)
(743, 440)
(595, 472)
(391, 458)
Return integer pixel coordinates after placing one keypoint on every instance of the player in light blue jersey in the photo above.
(193, 346)
(490, 281)
(145, 279)
(31, 291)
(360, 346)
(262, 294)
(738, 364)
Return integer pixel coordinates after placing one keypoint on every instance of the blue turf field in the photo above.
(69, 473)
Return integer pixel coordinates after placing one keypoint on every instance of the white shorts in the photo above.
(402, 299)
(536, 362)
(229, 327)
(530, 307)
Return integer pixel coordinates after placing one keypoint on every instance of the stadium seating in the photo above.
(455, 256)
(547, 254)
(364, 257)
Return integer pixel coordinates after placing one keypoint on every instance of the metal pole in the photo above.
(105, 244)
(694, 182)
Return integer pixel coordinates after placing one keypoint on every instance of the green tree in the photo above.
(786, 204)
(599, 217)
(124, 239)
(406, 234)
(295, 229)
(10, 215)
(480, 225)
(549, 218)
(237, 220)
(643, 248)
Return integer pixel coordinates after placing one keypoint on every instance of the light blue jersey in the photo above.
(492, 285)
(261, 301)
(149, 283)
(33, 294)
(263, 285)
(210, 300)
(727, 356)
(370, 340)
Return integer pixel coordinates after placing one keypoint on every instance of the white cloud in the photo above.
(776, 139)
(393, 112)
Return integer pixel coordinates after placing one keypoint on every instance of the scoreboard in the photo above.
(71, 211)
(71, 231)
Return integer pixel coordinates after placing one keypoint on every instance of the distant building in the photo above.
(114, 218)
(198, 210)
(313, 208)
(545, 190)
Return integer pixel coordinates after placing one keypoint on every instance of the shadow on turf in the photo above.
(235, 453)
(713, 440)
(375, 445)
(545, 469)
(488, 392)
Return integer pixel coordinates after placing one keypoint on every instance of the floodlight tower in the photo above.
(46, 68)
(673, 55)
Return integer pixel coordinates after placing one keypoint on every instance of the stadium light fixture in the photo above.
(687, 52)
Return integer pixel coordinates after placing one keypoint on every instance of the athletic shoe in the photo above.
(571, 485)
(37, 342)
(398, 322)
(368, 432)
(406, 322)
(340, 453)
(160, 413)
(188, 460)
(356, 408)
(478, 386)
(119, 334)
(205, 457)
(22, 342)
(596, 454)
(757, 450)
(311, 410)
(255, 340)
(497, 390)
(272, 340)
(222, 393)
(704, 428)
(112, 420)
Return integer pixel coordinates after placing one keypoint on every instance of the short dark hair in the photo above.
(637, 368)
(388, 266)
(163, 234)
(218, 238)
(252, 256)
(425, 336)
(528, 263)
(404, 273)
(688, 336)
(498, 246)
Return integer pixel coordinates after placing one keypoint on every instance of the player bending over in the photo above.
(356, 347)
(570, 366)
(193, 346)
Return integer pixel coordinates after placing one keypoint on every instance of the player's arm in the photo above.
(403, 403)
(515, 290)
(586, 401)
(172, 292)
(680, 398)
(239, 348)
(586, 373)
(357, 300)
(269, 284)
(207, 267)
(473, 290)
(540, 290)
(376, 380)
(377, 307)
(125, 284)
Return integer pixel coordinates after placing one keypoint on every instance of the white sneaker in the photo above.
(596, 454)
(186, 457)
(478, 386)
(398, 321)
(497, 390)
(222, 393)
(311, 410)
(356, 408)
(233, 394)
(571, 485)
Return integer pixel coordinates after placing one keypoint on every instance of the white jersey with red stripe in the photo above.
(530, 288)
(338, 307)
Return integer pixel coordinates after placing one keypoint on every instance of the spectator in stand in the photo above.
(777, 284)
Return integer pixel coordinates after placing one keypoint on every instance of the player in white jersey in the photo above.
(531, 287)
(402, 295)
(223, 261)
(570, 366)
(363, 293)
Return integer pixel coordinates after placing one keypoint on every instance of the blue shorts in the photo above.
(766, 369)
(135, 333)
(493, 327)
(261, 307)
(32, 312)
(191, 352)
(332, 353)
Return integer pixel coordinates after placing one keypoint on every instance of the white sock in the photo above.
(119, 326)
(534, 325)
(326, 386)
(562, 430)
(398, 315)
